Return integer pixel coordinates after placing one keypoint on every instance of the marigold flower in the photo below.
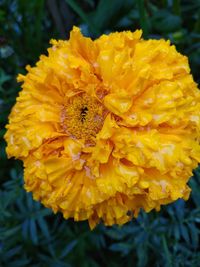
(107, 127)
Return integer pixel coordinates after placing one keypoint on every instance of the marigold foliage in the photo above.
(107, 127)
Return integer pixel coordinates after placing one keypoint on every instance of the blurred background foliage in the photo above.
(30, 235)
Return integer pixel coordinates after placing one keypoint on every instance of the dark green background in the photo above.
(31, 235)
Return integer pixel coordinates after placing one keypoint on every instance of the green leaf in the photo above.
(184, 233)
(83, 16)
(44, 227)
(68, 249)
(9, 232)
(33, 232)
(194, 233)
(123, 248)
(163, 21)
(143, 17)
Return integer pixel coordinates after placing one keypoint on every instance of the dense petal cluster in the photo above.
(107, 127)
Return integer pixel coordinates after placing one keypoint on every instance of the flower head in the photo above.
(107, 127)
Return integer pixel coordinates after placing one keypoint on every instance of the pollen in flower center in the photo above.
(83, 117)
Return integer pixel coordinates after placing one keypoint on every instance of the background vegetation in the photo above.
(29, 234)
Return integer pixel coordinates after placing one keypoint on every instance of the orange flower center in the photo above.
(83, 117)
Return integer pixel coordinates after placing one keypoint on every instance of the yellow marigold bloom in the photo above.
(107, 127)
